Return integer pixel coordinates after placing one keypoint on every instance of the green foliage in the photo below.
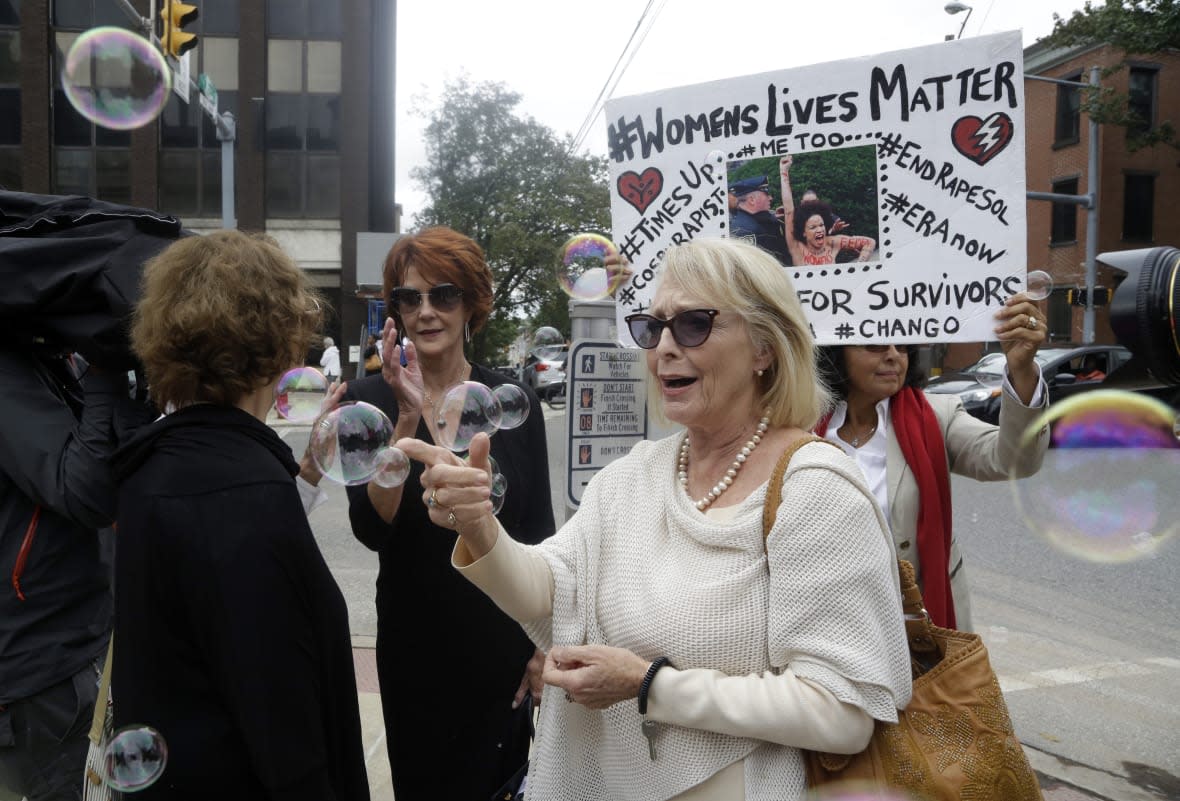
(1136, 27)
(511, 184)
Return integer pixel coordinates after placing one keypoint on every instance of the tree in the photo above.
(1135, 27)
(514, 186)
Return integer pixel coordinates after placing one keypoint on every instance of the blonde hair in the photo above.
(220, 316)
(740, 277)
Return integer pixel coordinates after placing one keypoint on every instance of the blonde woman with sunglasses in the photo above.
(687, 656)
(450, 664)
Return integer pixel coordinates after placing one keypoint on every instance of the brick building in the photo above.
(1139, 193)
(310, 83)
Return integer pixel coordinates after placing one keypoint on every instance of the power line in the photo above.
(638, 35)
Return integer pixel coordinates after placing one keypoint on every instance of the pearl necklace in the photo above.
(730, 474)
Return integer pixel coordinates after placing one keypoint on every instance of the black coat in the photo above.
(231, 635)
(448, 660)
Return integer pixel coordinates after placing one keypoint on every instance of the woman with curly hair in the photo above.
(809, 229)
(232, 633)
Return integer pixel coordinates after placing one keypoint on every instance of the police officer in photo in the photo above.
(754, 221)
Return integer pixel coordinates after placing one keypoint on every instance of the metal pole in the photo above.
(1091, 224)
(226, 132)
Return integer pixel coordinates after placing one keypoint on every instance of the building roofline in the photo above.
(1039, 57)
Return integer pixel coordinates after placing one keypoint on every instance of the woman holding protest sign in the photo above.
(907, 443)
(809, 229)
(692, 652)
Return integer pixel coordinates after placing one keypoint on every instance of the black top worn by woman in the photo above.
(231, 634)
(448, 660)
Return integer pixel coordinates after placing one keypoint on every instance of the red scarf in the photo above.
(920, 437)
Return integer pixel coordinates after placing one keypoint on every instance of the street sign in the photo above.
(181, 75)
(208, 94)
(606, 411)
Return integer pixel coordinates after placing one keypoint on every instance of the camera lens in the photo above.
(1145, 309)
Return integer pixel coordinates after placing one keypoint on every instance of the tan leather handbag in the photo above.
(955, 739)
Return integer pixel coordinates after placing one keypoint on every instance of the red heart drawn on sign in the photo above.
(980, 140)
(641, 190)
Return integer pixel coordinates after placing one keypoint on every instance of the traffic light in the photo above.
(1077, 297)
(174, 15)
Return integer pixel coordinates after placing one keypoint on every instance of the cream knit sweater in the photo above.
(770, 655)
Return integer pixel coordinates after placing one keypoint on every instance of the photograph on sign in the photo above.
(891, 187)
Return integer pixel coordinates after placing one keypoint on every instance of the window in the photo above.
(1138, 207)
(302, 126)
(190, 152)
(1069, 103)
(303, 19)
(1141, 103)
(1064, 226)
(87, 158)
(10, 117)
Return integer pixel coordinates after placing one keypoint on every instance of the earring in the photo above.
(759, 373)
(466, 331)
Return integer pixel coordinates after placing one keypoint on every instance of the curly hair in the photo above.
(835, 372)
(221, 316)
(444, 256)
(805, 211)
(744, 278)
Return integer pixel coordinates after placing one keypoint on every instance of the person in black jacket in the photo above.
(231, 634)
(58, 429)
(449, 662)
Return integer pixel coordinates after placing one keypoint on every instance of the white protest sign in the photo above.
(917, 233)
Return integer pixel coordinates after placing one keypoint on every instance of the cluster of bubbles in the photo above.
(582, 271)
(350, 443)
(116, 78)
(135, 757)
(1133, 442)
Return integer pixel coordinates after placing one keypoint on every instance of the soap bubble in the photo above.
(1039, 284)
(300, 393)
(135, 758)
(547, 342)
(346, 441)
(116, 78)
(581, 270)
(391, 467)
(467, 409)
(1106, 492)
(514, 405)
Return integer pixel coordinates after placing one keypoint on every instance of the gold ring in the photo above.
(452, 521)
(1032, 322)
(431, 502)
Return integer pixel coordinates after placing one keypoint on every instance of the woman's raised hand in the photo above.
(405, 380)
(1021, 330)
(458, 494)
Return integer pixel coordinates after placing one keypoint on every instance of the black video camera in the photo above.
(1145, 316)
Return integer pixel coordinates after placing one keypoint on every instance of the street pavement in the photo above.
(355, 569)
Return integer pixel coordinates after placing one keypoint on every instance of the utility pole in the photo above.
(1088, 200)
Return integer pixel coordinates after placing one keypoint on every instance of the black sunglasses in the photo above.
(443, 297)
(689, 328)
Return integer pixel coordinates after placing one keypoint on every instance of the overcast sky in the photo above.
(558, 54)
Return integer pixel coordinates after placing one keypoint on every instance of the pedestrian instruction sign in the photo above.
(606, 412)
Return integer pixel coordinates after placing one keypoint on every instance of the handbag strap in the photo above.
(774, 490)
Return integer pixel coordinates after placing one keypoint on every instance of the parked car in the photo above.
(544, 371)
(510, 370)
(1067, 371)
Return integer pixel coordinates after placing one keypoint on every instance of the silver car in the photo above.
(544, 371)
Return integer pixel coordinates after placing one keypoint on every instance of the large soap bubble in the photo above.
(467, 409)
(300, 393)
(116, 78)
(514, 405)
(547, 342)
(1107, 489)
(346, 442)
(134, 758)
(582, 272)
